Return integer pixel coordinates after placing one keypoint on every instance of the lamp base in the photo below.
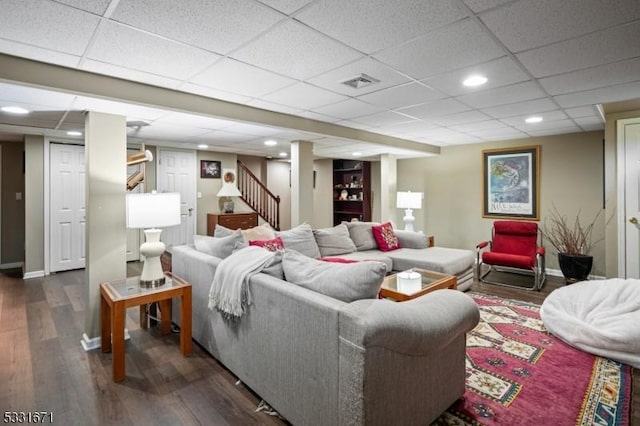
(152, 283)
(152, 275)
(228, 205)
(408, 220)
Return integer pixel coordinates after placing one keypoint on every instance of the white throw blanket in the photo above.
(229, 292)
(600, 317)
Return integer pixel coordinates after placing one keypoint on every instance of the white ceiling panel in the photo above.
(456, 46)
(521, 108)
(500, 134)
(401, 96)
(592, 127)
(112, 107)
(385, 118)
(233, 76)
(129, 74)
(304, 96)
(480, 125)
(141, 51)
(216, 25)
(482, 5)
(214, 93)
(519, 121)
(592, 78)
(97, 7)
(286, 6)
(30, 95)
(223, 137)
(525, 25)
(333, 79)
(38, 53)
(606, 94)
(191, 120)
(414, 128)
(500, 72)
(349, 109)
(581, 112)
(503, 95)
(252, 129)
(546, 125)
(372, 25)
(589, 122)
(296, 51)
(594, 49)
(170, 132)
(461, 118)
(435, 109)
(554, 131)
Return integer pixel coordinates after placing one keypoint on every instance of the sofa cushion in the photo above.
(220, 247)
(385, 237)
(362, 235)
(271, 245)
(376, 255)
(257, 233)
(332, 241)
(300, 239)
(342, 281)
(410, 239)
(439, 259)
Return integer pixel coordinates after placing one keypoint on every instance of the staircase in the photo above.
(258, 197)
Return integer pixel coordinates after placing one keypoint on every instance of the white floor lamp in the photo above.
(151, 211)
(409, 201)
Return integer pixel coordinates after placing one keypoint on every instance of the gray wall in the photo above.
(571, 177)
(13, 219)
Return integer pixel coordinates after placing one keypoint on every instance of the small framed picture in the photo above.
(210, 169)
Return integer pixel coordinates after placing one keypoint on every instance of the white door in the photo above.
(67, 221)
(631, 132)
(177, 173)
(133, 235)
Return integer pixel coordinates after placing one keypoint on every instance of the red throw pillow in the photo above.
(338, 260)
(385, 237)
(271, 245)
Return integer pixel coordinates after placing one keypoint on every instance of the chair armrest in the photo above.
(482, 245)
(540, 251)
(417, 327)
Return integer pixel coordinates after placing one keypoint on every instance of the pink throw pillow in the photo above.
(338, 260)
(271, 245)
(385, 237)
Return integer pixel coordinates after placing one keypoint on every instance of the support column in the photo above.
(106, 237)
(301, 182)
(388, 188)
(34, 206)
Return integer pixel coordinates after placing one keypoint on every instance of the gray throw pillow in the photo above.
(300, 239)
(362, 235)
(222, 231)
(332, 241)
(342, 281)
(410, 239)
(220, 247)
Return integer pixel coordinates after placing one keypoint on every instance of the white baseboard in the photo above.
(89, 344)
(558, 273)
(33, 274)
(11, 265)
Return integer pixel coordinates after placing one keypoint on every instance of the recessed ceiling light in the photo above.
(15, 110)
(74, 133)
(533, 119)
(357, 154)
(475, 80)
(203, 146)
(270, 142)
(283, 154)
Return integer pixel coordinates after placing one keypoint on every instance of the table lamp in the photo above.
(228, 190)
(150, 211)
(409, 201)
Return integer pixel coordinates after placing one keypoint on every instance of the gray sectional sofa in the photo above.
(320, 360)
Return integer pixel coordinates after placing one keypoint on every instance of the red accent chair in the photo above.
(513, 248)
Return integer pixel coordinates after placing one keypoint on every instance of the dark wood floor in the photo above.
(43, 366)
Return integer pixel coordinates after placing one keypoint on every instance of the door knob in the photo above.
(190, 210)
(633, 220)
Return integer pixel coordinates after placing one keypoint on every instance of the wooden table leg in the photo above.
(144, 317)
(165, 316)
(117, 333)
(185, 322)
(105, 324)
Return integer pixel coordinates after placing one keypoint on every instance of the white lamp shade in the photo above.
(409, 200)
(229, 190)
(153, 210)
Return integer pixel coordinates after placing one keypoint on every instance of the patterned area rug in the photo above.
(519, 374)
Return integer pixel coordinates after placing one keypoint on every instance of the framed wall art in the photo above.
(210, 169)
(511, 183)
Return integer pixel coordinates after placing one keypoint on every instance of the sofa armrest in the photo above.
(417, 327)
(410, 239)
(192, 265)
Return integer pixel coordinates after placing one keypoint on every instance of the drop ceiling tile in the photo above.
(589, 121)
(46, 24)
(481, 125)
(594, 49)
(461, 118)
(556, 131)
(216, 25)
(481, 5)
(592, 127)
(221, 136)
(168, 132)
(435, 109)
(97, 7)
(620, 92)
(38, 53)
(123, 46)
(385, 118)
(546, 125)
(129, 74)
(413, 128)
(293, 50)
(372, 25)
(503, 95)
(500, 72)
(444, 135)
(233, 76)
(401, 96)
(214, 93)
(583, 112)
(503, 133)
(192, 120)
(112, 107)
(252, 129)
(43, 121)
(349, 109)
(463, 140)
(456, 46)
(303, 96)
(593, 78)
(549, 116)
(528, 24)
(320, 117)
(41, 98)
(521, 108)
(286, 6)
(333, 79)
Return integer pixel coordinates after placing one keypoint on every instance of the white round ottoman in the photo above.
(600, 317)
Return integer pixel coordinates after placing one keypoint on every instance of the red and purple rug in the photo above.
(519, 374)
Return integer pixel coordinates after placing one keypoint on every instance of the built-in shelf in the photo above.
(351, 178)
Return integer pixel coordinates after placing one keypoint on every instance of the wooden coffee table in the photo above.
(117, 296)
(431, 281)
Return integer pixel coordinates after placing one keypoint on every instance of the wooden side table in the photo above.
(117, 296)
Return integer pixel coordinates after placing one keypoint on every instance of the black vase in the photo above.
(575, 267)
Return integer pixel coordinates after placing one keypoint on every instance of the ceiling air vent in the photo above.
(361, 81)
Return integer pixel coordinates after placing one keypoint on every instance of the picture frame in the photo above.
(511, 183)
(210, 169)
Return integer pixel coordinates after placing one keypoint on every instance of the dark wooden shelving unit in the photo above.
(351, 190)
